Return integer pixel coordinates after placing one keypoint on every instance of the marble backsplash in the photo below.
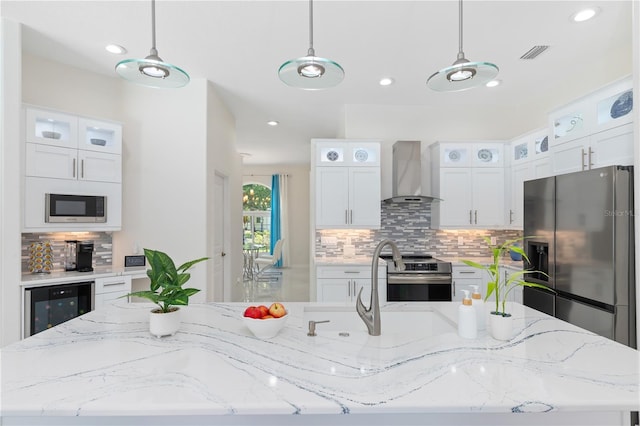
(408, 224)
(102, 249)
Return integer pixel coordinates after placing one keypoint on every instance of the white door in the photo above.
(455, 188)
(613, 147)
(218, 286)
(364, 196)
(99, 166)
(571, 156)
(488, 197)
(519, 174)
(332, 197)
(51, 161)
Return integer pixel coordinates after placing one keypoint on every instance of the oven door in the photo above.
(48, 306)
(420, 287)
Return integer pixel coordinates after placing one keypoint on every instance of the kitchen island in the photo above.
(105, 368)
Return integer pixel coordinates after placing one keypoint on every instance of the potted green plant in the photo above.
(500, 286)
(166, 290)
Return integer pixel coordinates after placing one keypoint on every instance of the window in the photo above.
(256, 217)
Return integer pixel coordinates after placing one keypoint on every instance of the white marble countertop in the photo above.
(62, 277)
(105, 363)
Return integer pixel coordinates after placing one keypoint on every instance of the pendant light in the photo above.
(152, 71)
(463, 74)
(311, 72)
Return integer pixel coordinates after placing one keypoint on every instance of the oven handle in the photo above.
(418, 279)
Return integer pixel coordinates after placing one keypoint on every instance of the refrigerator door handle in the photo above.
(584, 154)
(589, 158)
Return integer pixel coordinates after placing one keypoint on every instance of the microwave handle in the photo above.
(74, 167)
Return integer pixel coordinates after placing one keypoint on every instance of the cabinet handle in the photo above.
(354, 288)
(349, 288)
(346, 217)
(589, 158)
(476, 217)
(467, 272)
(74, 167)
(510, 216)
(454, 287)
(351, 217)
(113, 283)
(351, 272)
(470, 217)
(583, 155)
(82, 169)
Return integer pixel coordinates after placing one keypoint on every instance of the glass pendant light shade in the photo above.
(311, 72)
(463, 74)
(152, 71)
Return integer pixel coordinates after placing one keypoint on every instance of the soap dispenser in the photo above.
(467, 320)
(479, 306)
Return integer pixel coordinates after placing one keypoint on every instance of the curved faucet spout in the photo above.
(371, 315)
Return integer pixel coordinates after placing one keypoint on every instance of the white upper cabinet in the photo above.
(473, 196)
(488, 154)
(601, 134)
(347, 184)
(102, 136)
(61, 146)
(51, 128)
(466, 154)
(529, 160)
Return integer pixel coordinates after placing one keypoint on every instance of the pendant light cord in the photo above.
(460, 28)
(311, 52)
(153, 25)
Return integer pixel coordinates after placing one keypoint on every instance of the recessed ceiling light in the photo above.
(386, 81)
(115, 49)
(585, 14)
(273, 123)
(494, 83)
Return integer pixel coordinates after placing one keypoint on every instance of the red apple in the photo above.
(267, 316)
(277, 310)
(252, 312)
(263, 310)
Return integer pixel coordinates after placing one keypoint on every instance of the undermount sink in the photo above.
(404, 320)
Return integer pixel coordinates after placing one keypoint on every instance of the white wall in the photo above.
(299, 206)
(10, 176)
(164, 182)
(224, 160)
(65, 88)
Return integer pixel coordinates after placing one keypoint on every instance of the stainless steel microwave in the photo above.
(65, 208)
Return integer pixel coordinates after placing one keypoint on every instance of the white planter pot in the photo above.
(501, 326)
(164, 324)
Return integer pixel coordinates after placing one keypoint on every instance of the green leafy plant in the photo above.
(502, 286)
(166, 288)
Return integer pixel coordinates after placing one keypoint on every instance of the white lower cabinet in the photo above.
(463, 277)
(111, 289)
(342, 283)
(514, 295)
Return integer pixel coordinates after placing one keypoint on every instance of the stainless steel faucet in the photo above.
(371, 316)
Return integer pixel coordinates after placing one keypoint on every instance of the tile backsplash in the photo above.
(407, 224)
(102, 254)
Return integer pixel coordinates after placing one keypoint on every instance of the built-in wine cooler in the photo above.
(48, 306)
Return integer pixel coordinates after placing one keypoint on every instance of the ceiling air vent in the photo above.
(534, 52)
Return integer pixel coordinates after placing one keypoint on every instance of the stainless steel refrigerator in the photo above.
(582, 232)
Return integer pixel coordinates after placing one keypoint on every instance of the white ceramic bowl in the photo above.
(265, 328)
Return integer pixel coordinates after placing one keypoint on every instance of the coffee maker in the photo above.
(78, 256)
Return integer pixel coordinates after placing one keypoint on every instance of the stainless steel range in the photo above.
(424, 279)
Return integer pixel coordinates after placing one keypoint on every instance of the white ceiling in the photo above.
(239, 46)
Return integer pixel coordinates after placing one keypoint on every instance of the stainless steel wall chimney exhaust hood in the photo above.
(407, 174)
